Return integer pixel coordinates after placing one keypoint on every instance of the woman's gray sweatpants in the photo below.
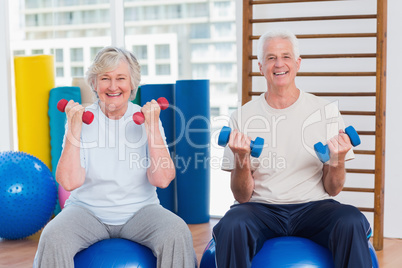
(76, 228)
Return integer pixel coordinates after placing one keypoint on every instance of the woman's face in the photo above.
(114, 89)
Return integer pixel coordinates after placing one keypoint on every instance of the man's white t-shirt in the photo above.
(288, 170)
(114, 154)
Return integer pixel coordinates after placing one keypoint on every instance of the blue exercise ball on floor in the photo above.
(28, 195)
(287, 251)
(115, 252)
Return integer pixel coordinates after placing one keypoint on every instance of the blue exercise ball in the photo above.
(208, 257)
(288, 251)
(115, 252)
(28, 195)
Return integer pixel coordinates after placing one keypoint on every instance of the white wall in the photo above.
(393, 173)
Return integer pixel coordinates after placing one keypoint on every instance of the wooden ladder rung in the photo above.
(361, 190)
(332, 56)
(326, 74)
(338, 35)
(316, 18)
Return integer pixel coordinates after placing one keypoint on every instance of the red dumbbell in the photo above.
(87, 117)
(139, 118)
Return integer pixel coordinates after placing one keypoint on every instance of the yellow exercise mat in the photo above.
(34, 78)
(87, 95)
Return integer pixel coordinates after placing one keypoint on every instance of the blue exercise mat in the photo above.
(192, 159)
(57, 121)
(167, 196)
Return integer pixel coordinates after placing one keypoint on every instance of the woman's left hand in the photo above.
(151, 111)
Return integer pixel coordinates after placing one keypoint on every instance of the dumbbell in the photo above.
(139, 118)
(255, 146)
(87, 116)
(322, 151)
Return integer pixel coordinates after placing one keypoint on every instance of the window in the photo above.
(224, 29)
(197, 10)
(140, 51)
(199, 31)
(37, 51)
(225, 70)
(223, 9)
(19, 52)
(162, 52)
(215, 111)
(94, 51)
(199, 51)
(59, 55)
(77, 71)
(144, 69)
(59, 72)
(76, 54)
(163, 69)
(173, 12)
(200, 71)
(151, 12)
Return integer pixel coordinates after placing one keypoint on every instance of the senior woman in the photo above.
(112, 168)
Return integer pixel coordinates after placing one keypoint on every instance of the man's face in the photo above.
(279, 65)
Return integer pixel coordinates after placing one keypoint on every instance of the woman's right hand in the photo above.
(74, 112)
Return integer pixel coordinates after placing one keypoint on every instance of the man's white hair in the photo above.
(268, 36)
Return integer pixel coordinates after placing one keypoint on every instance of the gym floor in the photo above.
(20, 253)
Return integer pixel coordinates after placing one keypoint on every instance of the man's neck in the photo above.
(281, 98)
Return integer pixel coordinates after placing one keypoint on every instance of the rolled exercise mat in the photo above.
(167, 196)
(34, 78)
(137, 99)
(192, 159)
(57, 122)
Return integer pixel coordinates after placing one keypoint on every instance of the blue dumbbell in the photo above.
(322, 151)
(255, 146)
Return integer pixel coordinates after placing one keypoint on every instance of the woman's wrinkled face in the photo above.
(114, 89)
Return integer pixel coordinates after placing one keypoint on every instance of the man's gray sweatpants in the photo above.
(76, 228)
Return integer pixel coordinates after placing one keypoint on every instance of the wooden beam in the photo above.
(361, 190)
(325, 74)
(331, 56)
(360, 171)
(339, 35)
(380, 124)
(247, 50)
(330, 94)
(316, 18)
(265, 2)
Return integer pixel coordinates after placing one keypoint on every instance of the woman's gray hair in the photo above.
(285, 34)
(107, 60)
